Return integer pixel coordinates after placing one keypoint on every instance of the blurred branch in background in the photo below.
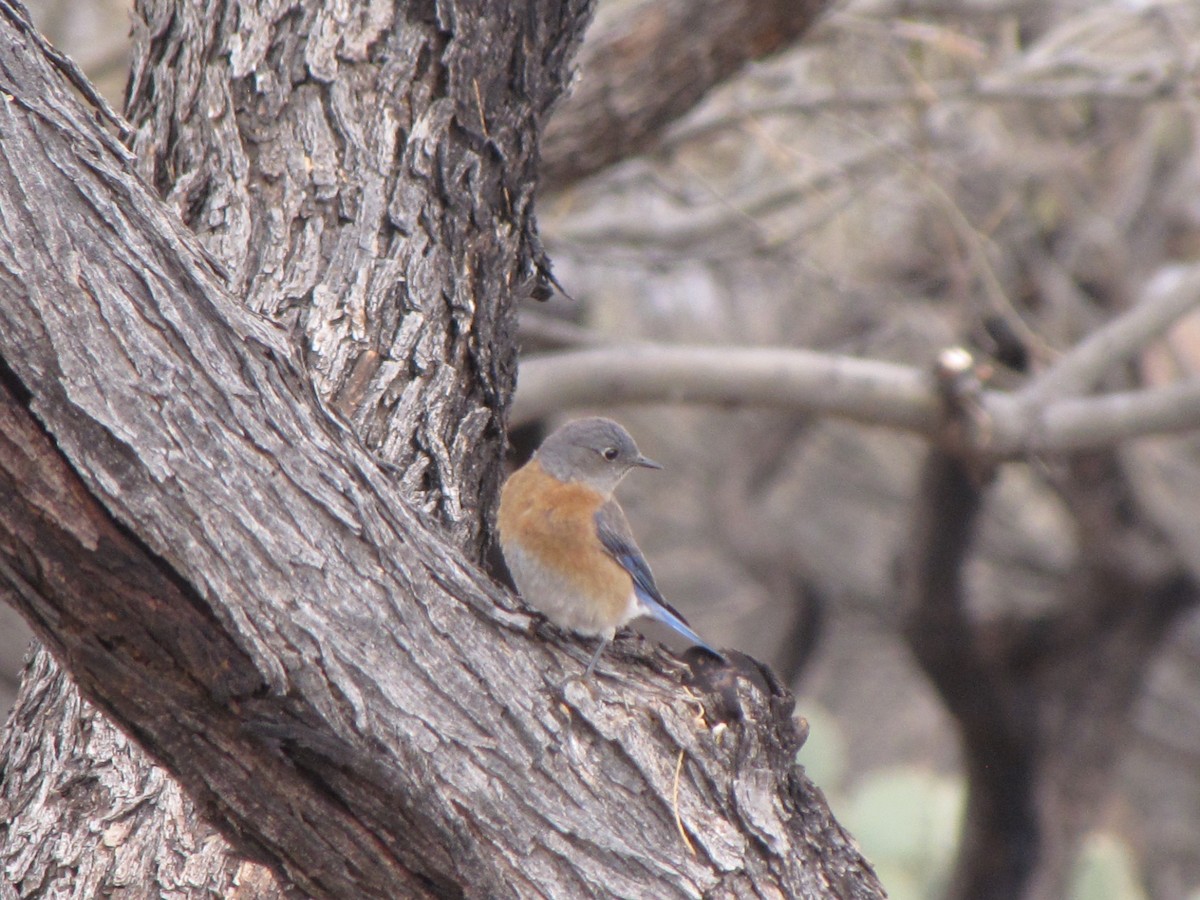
(1046, 416)
(648, 63)
(871, 393)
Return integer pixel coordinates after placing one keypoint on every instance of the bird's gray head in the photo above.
(595, 451)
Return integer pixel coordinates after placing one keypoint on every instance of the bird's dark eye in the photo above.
(609, 453)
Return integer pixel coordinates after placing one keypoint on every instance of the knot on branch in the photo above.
(743, 690)
(964, 431)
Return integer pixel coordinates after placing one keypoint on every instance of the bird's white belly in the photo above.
(561, 599)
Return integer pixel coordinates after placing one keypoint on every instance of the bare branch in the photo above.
(889, 96)
(1170, 294)
(868, 391)
(1090, 423)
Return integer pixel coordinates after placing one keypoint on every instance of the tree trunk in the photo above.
(1044, 708)
(235, 579)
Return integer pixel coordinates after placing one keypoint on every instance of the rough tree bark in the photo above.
(179, 507)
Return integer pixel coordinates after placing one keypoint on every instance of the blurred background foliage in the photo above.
(1002, 174)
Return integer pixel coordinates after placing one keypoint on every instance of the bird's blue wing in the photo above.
(613, 530)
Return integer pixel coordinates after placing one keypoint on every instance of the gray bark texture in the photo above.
(195, 517)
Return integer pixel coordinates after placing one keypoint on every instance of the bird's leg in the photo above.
(595, 657)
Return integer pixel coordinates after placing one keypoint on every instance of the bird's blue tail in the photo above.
(666, 615)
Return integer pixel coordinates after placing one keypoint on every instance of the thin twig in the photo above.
(889, 96)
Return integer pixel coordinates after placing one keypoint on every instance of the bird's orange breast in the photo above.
(554, 522)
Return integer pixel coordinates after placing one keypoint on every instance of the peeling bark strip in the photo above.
(236, 582)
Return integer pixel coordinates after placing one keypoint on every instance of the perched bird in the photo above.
(566, 540)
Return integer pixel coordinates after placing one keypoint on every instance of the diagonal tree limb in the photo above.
(652, 65)
(259, 162)
(1172, 293)
(120, 617)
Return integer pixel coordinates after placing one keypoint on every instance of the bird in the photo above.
(567, 543)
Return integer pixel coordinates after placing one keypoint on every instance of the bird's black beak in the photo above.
(646, 463)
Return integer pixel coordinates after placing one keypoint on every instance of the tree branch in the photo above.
(868, 391)
(1173, 292)
(927, 93)
(121, 618)
(653, 64)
